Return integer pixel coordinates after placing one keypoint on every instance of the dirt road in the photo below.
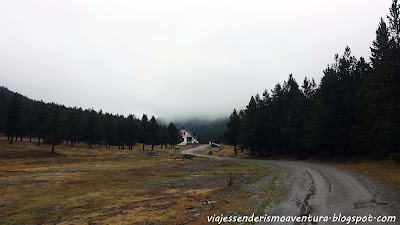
(324, 190)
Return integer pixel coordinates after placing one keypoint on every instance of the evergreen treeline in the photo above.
(355, 108)
(52, 124)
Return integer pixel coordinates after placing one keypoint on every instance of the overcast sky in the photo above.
(174, 58)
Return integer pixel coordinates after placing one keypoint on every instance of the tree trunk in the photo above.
(38, 143)
(52, 148)
(30, 137)
(21, 138)
(234, 146)
(72, 143)
(152, 147)
(12, 138)
(143, 146)
(90, 144)
(161, 146)
(16, 136)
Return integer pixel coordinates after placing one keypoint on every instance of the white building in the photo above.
(187, 137)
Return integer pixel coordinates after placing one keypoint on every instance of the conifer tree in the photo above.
(173, 136)
(154, 132)
(3, 110)
(381, 46)
(145, 134)
(53, 126)
(14, 115)
(233, 131)
(91, 131)
(132, 131)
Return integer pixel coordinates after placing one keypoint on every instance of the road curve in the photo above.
(324, 190)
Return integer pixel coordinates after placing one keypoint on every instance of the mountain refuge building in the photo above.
(188, 138)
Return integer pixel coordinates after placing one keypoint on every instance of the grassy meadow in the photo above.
(79, 185)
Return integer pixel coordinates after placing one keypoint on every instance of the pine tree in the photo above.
(91, 132)
(164, 136)
(248, 126)
(381, 46)
(335, 109)
(394, 21)
(30, 122)
(14, 115)
(3, 110)
(266, 123)
(381, 119)
(40, 121)
(145, 134)
(309, 88)
(173, 134)
(132, 130)
(122, 131)
(53, 126)
(233, 132)
(277, 112)
(296, 114)
(99, 128)
(154, 132)
(109, 129)
(72, 125)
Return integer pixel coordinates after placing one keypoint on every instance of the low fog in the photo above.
(174, 59)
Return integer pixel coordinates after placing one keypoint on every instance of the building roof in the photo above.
(189, 132)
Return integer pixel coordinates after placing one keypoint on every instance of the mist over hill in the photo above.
(205, 129)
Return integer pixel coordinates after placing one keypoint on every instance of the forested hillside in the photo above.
(21, 117)
(354, 110)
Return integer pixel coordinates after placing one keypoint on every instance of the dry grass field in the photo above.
(79, 185)
(385, 170)
(226, 151)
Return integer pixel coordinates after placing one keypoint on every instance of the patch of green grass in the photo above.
(33, 209)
